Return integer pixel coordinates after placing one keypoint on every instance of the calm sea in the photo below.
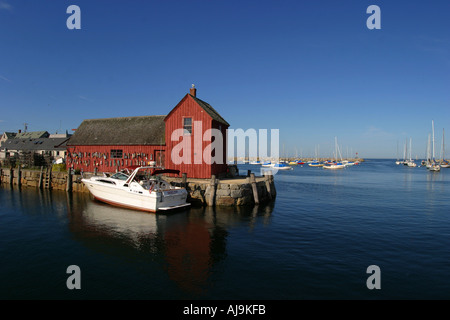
(315, 241)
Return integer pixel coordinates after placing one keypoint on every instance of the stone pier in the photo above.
(238, 191)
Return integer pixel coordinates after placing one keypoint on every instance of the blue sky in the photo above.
(309, 68)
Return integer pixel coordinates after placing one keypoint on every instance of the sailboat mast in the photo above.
(405, 152)
(432, 126)
(410, 149)
(336, 149)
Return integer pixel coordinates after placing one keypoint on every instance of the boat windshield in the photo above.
(120, 176)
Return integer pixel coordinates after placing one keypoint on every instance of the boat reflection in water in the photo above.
(186, 245)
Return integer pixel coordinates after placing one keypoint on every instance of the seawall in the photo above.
(239, 191)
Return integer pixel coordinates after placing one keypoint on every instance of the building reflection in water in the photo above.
(188, 244)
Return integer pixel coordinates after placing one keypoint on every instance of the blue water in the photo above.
(314, 242)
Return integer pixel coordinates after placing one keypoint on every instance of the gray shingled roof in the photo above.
(144, 130)
(32, 135)
(10, 135)
(210, 110)
(49, 144)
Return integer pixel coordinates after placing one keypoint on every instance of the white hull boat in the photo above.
(281, 166)
(435, 167)
(334, 166)
(141, 190)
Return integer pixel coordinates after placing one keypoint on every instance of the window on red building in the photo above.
(187, 126)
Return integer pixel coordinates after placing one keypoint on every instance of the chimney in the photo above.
(193, 91)
(20, 131)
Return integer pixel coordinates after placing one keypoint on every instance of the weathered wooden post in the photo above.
(19, 176)
(184, 180)
(267, 175)
(272, 185)
(212, 191)
(41, 176)
(69, 180)
(11, 176)
(50, 168)
(254, 188)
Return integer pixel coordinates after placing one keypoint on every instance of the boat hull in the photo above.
(138, 200)
(334, 166)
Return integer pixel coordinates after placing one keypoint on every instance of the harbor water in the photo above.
(315, 241)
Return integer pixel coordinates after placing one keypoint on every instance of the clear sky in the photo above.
(311, 69)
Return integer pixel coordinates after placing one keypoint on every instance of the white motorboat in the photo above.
(142, 189)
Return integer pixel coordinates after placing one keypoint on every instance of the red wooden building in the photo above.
(182, 140)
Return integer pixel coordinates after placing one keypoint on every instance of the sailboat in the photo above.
(434, 166)
(398, 159)
(411, 162)
(444, 163)
(427, 162)
(316, 162)
(405, 154)
(335, 164)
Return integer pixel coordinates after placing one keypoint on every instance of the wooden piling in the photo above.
(267, 181)
(184, 180)
(11, 176)
(41, 178)
(19, 176)
(69, 180)
(254, 188)
(212, 192)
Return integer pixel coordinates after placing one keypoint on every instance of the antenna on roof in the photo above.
(26, 126)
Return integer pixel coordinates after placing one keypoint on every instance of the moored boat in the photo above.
(334, 165)
(445, 164)
(143, 189)
(433, 165)
(281, 166)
